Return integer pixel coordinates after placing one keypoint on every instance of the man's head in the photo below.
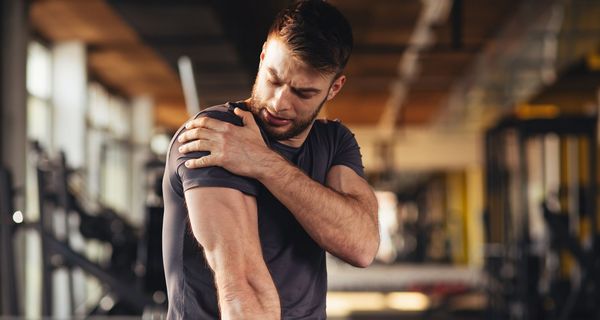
(301, 67)
(316, 33)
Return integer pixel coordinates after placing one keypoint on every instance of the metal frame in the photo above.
(59, 197)
(8, 293)
(519, 291)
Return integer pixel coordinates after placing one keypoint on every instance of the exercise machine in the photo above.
(542, 227)
(59, 205)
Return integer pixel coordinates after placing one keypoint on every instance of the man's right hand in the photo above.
(238, 149)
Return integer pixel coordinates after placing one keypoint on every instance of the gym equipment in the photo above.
(58, 204)
(151, 251)
(542, 250)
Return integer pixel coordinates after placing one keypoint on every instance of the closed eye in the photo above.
(300, 94)
(274, 82)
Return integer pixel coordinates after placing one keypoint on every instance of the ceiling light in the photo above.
(18, 217)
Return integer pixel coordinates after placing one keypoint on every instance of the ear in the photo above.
(262, 52)
(337, 85)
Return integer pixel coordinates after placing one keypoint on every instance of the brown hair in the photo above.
(316, 33)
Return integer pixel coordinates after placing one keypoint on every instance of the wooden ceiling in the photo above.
(134, 46)
(117, 56)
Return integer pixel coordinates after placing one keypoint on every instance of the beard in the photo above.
(258, 107)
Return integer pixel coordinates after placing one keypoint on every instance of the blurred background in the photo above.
(477, 121)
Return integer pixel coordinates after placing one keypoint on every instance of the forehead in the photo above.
(279, 58)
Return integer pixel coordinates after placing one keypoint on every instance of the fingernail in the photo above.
(180, 149)
(187, 163)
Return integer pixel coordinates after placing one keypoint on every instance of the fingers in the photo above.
(208, 123)
(196, 145)
(195, 123)
(194, 134)
(206, 161)
(247, 117)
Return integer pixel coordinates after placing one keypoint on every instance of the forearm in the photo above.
(245, 289)
(251, 297)
(343, 225)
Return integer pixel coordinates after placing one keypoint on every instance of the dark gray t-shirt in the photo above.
(296, 262)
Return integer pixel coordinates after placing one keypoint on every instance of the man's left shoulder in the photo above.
(331, 127)
(334, 124)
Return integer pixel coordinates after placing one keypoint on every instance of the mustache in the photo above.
(257, 106)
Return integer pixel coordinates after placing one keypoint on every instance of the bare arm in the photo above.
(224, 221)
(341, 217)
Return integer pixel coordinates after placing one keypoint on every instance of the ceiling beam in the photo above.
(246, 26)
(432, 13)
(456, 16)
(185, 40)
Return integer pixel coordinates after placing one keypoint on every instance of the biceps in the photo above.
(344, 180)
(224, 222)
(347, 182)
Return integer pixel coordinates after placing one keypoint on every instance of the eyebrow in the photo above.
(297, 89)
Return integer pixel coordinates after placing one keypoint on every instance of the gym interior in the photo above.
(477, 121)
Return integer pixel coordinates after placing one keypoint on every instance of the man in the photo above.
(257, 191)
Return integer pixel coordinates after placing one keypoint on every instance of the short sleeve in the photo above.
(347, 151)
(212, 176)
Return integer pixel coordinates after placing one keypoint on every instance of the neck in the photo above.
(297, 141)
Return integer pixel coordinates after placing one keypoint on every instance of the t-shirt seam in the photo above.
(178, 174)
(229, 184)
(340, 136)
(183, 276)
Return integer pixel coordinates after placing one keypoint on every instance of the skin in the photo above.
(224, 222)
(341, 216)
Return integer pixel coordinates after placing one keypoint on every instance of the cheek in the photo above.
(305, 109)
(264, 90)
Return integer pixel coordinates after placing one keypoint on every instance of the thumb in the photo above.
(247, 117)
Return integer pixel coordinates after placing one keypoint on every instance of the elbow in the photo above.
(366, 256)
(368, 252)
(363, 261)
(251, 295)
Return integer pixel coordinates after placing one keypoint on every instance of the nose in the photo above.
(281, 100)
